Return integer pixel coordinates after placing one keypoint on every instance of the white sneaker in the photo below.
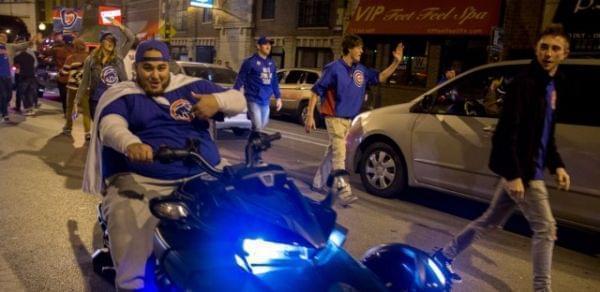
(344, 192)
(346, 197)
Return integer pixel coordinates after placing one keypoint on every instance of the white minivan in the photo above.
(442, 139)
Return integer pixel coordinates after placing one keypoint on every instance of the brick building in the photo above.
(307, 33)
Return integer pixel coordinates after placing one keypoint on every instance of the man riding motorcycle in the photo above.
(133, 120)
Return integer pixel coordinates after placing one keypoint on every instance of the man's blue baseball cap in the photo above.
(264, 40)
(148, 45)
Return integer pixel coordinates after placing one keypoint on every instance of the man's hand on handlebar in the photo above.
(206, 107)
(140, 153)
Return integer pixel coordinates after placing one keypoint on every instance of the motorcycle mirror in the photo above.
(168, 209)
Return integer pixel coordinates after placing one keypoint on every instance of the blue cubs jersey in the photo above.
(157, 124)
(258, 76)
(342, 88)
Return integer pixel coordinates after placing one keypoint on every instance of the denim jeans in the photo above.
(258, 115)
(535, 206)
(5, 94)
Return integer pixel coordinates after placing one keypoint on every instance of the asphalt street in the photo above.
(48, 226)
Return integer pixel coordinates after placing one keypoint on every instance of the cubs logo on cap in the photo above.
(264, 40)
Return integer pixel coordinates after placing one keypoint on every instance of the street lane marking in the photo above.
(296, 137)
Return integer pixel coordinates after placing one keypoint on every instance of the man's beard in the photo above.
(151, 92)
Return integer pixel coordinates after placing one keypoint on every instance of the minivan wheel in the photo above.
(382, 170)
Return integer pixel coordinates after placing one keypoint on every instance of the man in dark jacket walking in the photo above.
(522, 147)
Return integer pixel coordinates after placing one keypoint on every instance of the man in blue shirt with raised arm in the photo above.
(342, 90)
(258, 76)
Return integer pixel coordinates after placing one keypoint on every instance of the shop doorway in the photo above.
(205, 54)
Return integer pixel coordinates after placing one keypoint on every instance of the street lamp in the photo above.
(42, 26)
(8, 31)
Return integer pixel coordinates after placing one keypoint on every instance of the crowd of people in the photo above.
(132, 118)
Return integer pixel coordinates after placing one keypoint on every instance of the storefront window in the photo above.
(179, 52)
(413, 70)
(313, 57)
(278, 56)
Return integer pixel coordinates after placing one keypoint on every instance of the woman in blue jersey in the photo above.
(104, 67)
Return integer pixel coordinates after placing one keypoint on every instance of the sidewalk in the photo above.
(8, 279)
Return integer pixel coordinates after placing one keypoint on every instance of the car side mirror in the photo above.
(427, 103)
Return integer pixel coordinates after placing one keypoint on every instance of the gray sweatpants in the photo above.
(131, 225)
(535, 206)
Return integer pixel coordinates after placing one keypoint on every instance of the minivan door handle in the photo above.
(490, 128)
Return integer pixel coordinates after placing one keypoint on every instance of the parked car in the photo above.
(442, 139)
(47, 75)
(225, 77)
(295, 85)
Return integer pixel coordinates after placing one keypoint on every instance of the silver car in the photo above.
(442, 140)
(225, 77)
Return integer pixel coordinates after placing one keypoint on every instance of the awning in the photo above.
(425, 17)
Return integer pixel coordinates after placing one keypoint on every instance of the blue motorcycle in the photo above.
(249, 228)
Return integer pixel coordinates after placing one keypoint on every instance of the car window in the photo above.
(280, 76)
(480, 93)
(294, 77)
(581, 105)
(217, 75)
(311, 78)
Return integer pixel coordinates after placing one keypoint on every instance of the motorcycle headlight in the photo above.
(169, 210)
(265, 256)
(259, 251)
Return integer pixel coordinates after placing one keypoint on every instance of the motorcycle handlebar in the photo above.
(168, 155)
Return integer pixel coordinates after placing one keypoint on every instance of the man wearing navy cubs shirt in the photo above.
(133, 120)
(342, 88)
(259, 79)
